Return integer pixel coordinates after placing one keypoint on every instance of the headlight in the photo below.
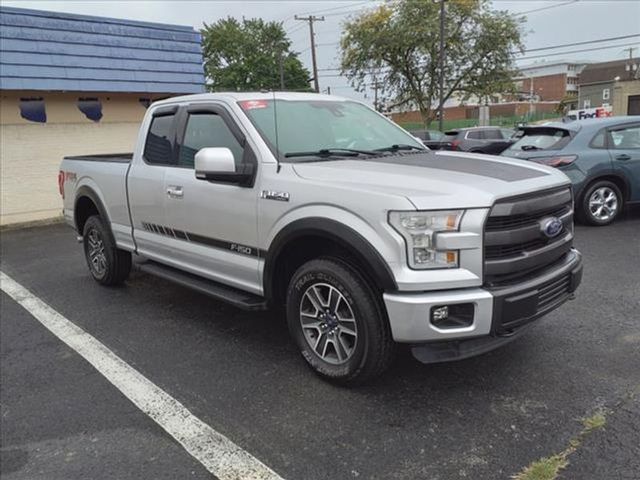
(418, 229)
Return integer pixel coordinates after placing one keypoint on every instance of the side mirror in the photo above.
(216, 164)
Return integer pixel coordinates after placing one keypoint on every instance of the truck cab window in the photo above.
(158, 150)
(207, 130)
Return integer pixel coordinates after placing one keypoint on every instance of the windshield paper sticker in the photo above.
(254, 104)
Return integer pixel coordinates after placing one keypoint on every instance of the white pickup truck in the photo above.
(319, 204)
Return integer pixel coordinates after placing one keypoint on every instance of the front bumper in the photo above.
(499, 312)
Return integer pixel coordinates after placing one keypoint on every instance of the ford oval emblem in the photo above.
(551, 226)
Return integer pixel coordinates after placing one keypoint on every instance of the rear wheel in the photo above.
(337, 322)
(108, 264)
(601, 203)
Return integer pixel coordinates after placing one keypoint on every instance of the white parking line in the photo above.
(217, 453)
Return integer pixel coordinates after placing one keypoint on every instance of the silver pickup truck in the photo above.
(322, 208)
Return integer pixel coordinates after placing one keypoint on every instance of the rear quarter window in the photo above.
(158, 149)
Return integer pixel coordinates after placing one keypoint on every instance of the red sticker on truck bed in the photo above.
(254, 104)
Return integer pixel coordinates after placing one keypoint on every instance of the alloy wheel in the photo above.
(328, 323)
(97, 256)
(603, 204)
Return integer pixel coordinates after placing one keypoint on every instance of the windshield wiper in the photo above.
(331, 152)
(401, 146)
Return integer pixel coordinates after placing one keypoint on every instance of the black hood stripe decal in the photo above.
(473, 166)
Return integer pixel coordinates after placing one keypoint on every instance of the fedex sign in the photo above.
(597, 112)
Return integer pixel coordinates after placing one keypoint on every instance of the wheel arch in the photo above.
(88, 203)
(308, 238)
(618, 180)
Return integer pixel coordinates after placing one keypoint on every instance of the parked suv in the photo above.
(490, 140)
(601, 156)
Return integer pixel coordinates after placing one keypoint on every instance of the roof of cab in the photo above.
(241, 96)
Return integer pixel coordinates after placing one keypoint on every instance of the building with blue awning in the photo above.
(77, 84)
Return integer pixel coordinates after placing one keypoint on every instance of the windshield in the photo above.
(310, 126)
(542, 139)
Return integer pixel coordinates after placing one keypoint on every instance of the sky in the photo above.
(549, 22)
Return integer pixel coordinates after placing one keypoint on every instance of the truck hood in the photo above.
(433, 180)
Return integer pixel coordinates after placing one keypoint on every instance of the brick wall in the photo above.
(30, 153)
(548, 87)
(471, 112)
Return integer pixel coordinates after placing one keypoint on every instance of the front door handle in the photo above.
(175, 191)
(623, 157)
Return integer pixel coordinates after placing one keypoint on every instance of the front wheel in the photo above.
(338, 323)
(601, 203)
(107, 263)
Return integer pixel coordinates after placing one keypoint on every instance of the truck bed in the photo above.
(108, 157)
(106, 176)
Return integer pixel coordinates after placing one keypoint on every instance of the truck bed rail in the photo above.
(109, 157)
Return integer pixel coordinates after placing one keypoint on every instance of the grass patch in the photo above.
(544, 469)
(598, 420)
(548, 468)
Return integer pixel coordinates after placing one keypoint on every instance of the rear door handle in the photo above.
(623, 156)
(175, 191)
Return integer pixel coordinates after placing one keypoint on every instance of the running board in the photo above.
(233, 296)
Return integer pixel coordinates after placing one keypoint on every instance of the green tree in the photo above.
(246, 56)
(398, 43)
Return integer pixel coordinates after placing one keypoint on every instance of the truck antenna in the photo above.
(275, 127)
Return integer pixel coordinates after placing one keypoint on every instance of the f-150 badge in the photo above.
(273, 195)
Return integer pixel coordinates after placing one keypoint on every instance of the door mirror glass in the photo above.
(213, 160)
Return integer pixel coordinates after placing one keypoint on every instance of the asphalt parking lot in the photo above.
(483, 418)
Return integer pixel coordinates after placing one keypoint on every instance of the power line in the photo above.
(549, 7)
(611, 39)
(294, 29)
(550, 47)
(341, 7)
(593, 49)
(519, 59)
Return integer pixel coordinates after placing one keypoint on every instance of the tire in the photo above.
(601, 203)
(354, 342)
(108, 264)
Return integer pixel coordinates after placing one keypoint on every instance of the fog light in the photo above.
(452, 316)
(439, 314)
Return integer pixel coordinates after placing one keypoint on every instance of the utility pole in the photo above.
(376, 86)
(311, 19)
(530, 98)
(281, 66)
(441, 68)
(631, 49)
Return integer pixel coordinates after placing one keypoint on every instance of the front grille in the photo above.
(503, 251)
(522, 307)
(499, 223)
(514, 243)
(553, 292)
